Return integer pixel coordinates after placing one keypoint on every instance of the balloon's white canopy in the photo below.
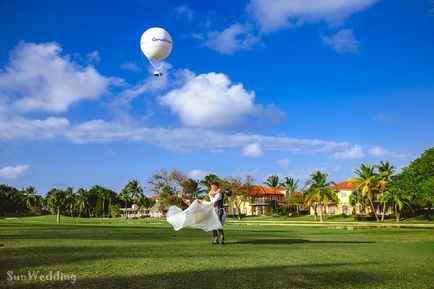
(156, 43)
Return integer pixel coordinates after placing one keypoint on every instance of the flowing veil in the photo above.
(200, 216)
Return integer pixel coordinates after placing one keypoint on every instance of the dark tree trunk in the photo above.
(373, 209)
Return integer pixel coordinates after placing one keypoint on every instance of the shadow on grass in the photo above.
(294, 241)
(332, 275)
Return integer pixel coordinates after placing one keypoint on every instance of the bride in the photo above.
(200, 214)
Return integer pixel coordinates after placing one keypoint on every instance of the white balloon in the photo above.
(156, 43)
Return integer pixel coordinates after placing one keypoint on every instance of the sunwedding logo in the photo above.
(38, 276)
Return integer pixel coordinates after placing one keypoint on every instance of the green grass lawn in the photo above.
(333, 218)
(145, 254)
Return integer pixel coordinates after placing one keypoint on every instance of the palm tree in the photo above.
(356, 198)
(125, 196)
(56, 201)
(102, 194)
(273, 182)
(70, 200)
(207, 180)
(134, 188)
(369, 182)
(386, 172)
(192, 188)
(291, 185)
(111, 195)
(92, 200)
(319, 192)
(398, 200)
(82, 200)
(18, 197)
(30, 198)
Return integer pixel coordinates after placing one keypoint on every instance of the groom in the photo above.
(220, 210)
(217, 198)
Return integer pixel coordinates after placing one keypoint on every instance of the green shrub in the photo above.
(114, 211)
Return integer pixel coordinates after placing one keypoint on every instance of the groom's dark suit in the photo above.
(220, 210)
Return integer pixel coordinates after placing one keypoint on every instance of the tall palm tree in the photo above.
(82, 201)
(369, 182)
(398, 200)
(18, 197)
(319, 192)
(102, 194)
(291, 185)
(56, 201)
(111, 195)
(273, 182)
(70, 200)
(135, 189)
(126, 197)
(386, 172)
(356, 199)
(30, 197)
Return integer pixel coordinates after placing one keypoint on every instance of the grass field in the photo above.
(144, 254)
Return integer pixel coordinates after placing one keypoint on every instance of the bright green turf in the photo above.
(331, 218)
(141, 254)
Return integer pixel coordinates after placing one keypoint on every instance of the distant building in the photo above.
(133, 212)
(343, 191)
(260, 201)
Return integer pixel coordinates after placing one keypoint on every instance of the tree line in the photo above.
(409, 192)
(98, 201)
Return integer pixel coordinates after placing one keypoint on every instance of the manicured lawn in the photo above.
(332, 218)
(145, 254)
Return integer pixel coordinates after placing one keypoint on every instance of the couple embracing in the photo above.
(201, 214)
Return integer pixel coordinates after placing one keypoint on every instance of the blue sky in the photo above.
(253, 87)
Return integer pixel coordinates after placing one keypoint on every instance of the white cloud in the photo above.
(273, 15)
(378, 151)
(343, 41)
(176, 139)
(149, 85)
(383, 118)
(39, 78)
(17, 128)
(234, 38)
(130, 66)
(13, 172)
(253, 150)
(354, 152)
(93, 57)
(212, 100)
(185, 11)
(283, 163)
(267, 16)
(197, 174)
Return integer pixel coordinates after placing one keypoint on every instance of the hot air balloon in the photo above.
(156, 44)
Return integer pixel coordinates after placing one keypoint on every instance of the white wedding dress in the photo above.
(200, 216)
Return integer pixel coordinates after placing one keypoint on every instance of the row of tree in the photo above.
(98, 201)
(378, 188)
(411, 191)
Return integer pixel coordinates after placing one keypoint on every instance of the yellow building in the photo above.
(343, 191)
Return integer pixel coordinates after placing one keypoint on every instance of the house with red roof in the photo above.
(343, 191)
(260, 201)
